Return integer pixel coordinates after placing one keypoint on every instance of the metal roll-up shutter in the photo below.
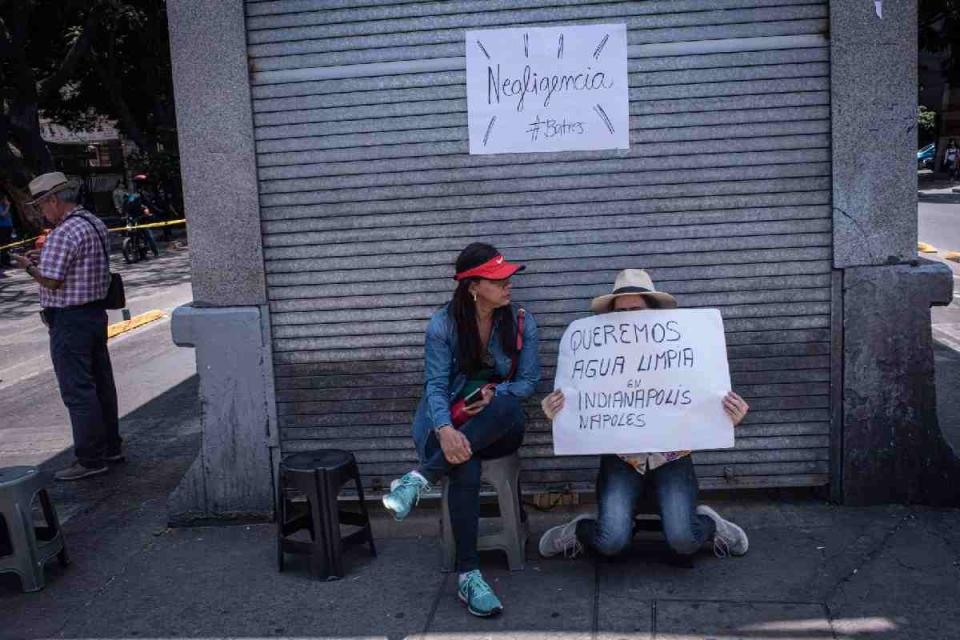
(368, 192)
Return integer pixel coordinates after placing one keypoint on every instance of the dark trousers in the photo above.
(619, 488)
(78, 348)
(496, 432)
(5, 234)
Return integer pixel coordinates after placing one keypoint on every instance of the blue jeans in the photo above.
(151, 241)
(495, 432)
(619, 488)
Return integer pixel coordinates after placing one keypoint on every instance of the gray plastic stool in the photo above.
(30, 546)
(511, 535)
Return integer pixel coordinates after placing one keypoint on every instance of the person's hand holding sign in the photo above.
(735, 407)
(552, 404)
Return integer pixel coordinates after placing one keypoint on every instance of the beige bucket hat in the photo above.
(630, 282)
(47, 184)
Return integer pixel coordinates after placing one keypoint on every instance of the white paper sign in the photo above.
(643, 381)
(547, 89)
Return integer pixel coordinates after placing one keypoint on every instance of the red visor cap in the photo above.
(496, 268)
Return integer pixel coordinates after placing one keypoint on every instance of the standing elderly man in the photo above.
(74, 276)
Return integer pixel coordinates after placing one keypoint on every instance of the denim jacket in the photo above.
(444, 380)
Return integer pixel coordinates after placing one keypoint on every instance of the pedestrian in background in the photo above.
(951, 159)
(6, 229)
(74, 276)
(119, 196)
(139, 209)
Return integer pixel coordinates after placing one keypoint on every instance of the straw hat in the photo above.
(632, 282)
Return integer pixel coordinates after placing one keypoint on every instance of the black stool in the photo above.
(318, 476)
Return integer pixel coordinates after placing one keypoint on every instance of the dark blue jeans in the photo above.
(496, 432)
(78, 348)
(620, 486)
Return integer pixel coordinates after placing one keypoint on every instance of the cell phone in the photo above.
(474, 397)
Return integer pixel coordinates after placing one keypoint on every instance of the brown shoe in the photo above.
(78, 472)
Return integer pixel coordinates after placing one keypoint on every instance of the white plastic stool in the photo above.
(511, 534)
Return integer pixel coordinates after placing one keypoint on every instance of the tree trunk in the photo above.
(25, 118)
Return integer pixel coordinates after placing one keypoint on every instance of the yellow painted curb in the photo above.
(953, 256)
(137, 321)
(923, 247)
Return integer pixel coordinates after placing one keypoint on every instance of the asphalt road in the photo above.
(33, 421)
(939, 224)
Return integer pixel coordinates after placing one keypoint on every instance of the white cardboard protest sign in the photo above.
(643, 381)
(547, 89)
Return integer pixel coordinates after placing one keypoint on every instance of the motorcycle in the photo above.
(135, 243)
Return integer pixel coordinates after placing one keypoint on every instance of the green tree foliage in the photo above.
(77, 62)
(926, 120)
(126, 77)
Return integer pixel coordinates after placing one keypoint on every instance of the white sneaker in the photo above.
(563, 538)
(729, 538)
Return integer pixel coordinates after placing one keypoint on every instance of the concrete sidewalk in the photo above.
(813, 571)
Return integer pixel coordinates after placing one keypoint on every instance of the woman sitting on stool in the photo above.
(483, 350)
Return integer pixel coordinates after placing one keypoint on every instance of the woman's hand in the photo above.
(552, 404)
(480, 405)
(456, 447)
(735, 407)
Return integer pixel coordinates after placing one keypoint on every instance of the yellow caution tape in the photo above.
(14, 245)
(123, 326)
(152, 225)
(923, 247)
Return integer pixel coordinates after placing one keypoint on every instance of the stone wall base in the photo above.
(232, 477)
(892, 447)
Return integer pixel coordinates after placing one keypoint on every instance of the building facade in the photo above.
(770, 174)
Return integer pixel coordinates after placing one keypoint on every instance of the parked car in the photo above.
(926, 156)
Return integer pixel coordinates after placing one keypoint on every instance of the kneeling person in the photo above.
(622, 478)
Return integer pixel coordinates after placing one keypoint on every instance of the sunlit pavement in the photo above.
(146, 363)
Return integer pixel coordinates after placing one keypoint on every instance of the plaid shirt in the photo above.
(73, 253)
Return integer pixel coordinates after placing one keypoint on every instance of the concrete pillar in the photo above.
(231, 477)
(228, 320)
(890, 448)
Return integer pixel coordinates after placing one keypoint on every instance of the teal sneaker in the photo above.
(404, 494)
(478, 596)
